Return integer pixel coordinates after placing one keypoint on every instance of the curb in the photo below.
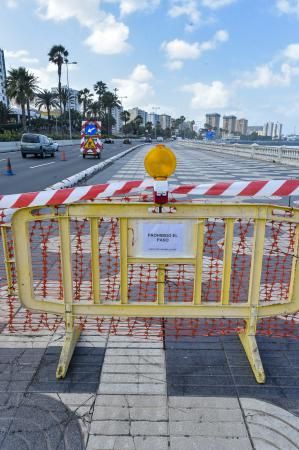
(88, 173)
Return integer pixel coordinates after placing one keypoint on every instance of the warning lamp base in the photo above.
(161, 189)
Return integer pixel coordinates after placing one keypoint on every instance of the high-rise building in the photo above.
(259, 129)
(3, 96)
(165, 121)
(229, 123)
(277, 131)
(213, 120)
(134, 112)
(242, 125)
(268, 129)
(153, 118)
(116, 113)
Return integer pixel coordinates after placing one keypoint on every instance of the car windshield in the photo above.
(31, 138)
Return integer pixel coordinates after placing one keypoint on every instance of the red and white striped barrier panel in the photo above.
(118, 188)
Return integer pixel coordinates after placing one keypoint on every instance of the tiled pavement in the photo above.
(139, 393)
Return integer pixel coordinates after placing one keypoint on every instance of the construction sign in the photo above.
(91, 137)
(89, 144)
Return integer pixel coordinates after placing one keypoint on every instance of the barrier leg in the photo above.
(249, 343)
(72, 335)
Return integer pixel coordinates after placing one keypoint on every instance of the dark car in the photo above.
(148, 139)
(127, 141)
(109, 141)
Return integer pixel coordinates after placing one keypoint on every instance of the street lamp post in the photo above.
(68, 90)
(155, 108)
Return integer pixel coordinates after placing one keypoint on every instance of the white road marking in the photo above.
(40, 165)
(3, 159)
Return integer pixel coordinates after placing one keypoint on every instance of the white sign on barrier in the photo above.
(162, 239)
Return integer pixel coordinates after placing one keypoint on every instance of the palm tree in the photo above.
(138, 121)
(125, 116)
(57, 55)
(109, 101)
(47, 99)
(100, 89)
(5, 111)
(31, 90)
(94, 110)
(85, 97)
(65, 98)
(19, 86)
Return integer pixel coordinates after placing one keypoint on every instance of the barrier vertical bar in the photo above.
(7, 260)
(72, 333)
(95, 264)
(294, 280)
(227, 260)
(161, 284)
(247, 337)
(124, 260)
(198, 263)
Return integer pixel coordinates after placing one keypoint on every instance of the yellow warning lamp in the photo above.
(160, 163)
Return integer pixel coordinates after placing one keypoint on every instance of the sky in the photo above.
(187, 57)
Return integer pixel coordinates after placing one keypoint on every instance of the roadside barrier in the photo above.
(226, 269)
(176, 268)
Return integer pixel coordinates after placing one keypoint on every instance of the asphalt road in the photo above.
(34, 174)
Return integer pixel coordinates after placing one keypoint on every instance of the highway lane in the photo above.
(34, 174)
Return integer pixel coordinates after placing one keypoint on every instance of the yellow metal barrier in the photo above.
(142, 241)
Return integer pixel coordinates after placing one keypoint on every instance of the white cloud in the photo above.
(215, 4)
(12, 3)
(292, 52)
(21, 56)
(288, 6)
(47, 76)
(179, 50)
(187, 8)
(265, 76)
(136, 87)
(108, 35)
(131, 6)
(208, 96)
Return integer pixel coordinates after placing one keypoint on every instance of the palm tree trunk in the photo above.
(59, 87)
(28, 113)
(49, 117)
(23, 116)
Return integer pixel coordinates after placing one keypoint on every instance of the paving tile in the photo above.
(213, 443)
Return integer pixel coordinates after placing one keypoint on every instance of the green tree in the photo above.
(65, 98)
(58, 55)
(31, 90)
(137, 122)
(4, 113)
(109, 101)
(125, 117)
(149, 127)
(19, 85)
(47, 99)
(100, 89)
(85, 98)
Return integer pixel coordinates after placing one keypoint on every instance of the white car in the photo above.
(54, 145)
(160, 139)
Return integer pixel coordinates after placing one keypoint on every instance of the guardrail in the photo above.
(282, 154)
(231, 262)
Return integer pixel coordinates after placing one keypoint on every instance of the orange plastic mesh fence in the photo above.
(142, 279)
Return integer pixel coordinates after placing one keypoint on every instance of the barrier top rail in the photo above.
(255, 189)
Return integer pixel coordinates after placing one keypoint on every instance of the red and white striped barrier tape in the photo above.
(225, 189)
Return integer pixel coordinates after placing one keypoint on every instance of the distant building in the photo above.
(165, 121)
(277, 131)
(229, 123)
(259, 129)
(242, 125)
(213, 120)
(134, 112)
(153, 118)
(116, 113)
(268, 129)
(3, 96)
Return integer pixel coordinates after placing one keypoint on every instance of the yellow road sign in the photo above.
(89, 144)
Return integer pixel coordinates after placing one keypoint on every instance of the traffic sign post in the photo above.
(91, 138)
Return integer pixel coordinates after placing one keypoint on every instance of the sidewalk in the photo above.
(142, 394)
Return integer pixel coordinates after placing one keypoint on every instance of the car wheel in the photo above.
(83, 156)
(99, 155)
(52, 155)
(24, 155)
